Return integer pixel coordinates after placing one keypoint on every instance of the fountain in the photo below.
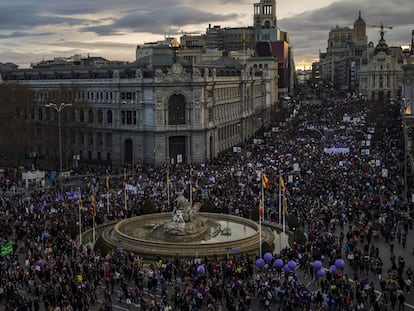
(186, 232)
(185, 219)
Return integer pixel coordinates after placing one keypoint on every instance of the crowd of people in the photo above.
(343, 163)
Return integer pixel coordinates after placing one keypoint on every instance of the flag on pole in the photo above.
(282, 183)
(93, 207)
(107, 182)
(191, 174)
(260, 209)
(285, 205)
(6, 248)
(265, 181)
(80, 202)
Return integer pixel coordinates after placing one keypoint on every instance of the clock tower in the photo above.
(265, 21)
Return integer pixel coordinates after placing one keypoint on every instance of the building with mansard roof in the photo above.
(381, 73)
(159, 109)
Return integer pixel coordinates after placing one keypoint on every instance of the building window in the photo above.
(128, 117)
(99, 139)
(81, 116)
(90, 139)
(81, 139)
(176, 110)
(108, 140)
(123, 116)
(100, 116)
(109, 117)
(90, 116)
(40, 113)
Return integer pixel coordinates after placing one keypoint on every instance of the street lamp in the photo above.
(59, 109)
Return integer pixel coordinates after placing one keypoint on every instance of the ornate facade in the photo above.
(169, 111)
(381, 76)
(340, 64)
(408, 81)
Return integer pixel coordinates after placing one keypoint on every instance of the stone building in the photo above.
(408, 81)
(381, 72)
(340, 63)
(163, 111)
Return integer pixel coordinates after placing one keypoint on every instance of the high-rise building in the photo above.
(340, 63)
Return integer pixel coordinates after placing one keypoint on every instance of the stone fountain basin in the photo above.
(141, 235)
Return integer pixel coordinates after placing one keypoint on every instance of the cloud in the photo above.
(85, 24)
(95, 44)
(29, 17)
(309, 31)
(20, 34)
(159, 21)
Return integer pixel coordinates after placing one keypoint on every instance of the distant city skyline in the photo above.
(30, 31)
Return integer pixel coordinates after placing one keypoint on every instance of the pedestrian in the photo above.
(404, 239)
(407, 285)
(391, 244)
(401, 301)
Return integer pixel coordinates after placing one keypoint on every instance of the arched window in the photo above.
(100, 116)
(176, 110)
(90, 116)
(40, 113)
(109, 117)
(81, 116)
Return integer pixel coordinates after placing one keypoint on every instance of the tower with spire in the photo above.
(381, 73)
(360, 32)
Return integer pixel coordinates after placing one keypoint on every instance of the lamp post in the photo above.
(59, 109)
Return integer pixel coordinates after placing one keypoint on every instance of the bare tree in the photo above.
(17, 108)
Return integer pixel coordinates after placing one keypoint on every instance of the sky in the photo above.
(33, 30)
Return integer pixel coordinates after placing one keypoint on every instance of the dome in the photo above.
(382, 46)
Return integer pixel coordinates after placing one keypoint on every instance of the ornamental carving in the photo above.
(196, 72)
(158, 95)
(159, 117)
(197, 115)
(197, 95)
(176, 75)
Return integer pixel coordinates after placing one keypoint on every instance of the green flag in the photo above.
(6, 248)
